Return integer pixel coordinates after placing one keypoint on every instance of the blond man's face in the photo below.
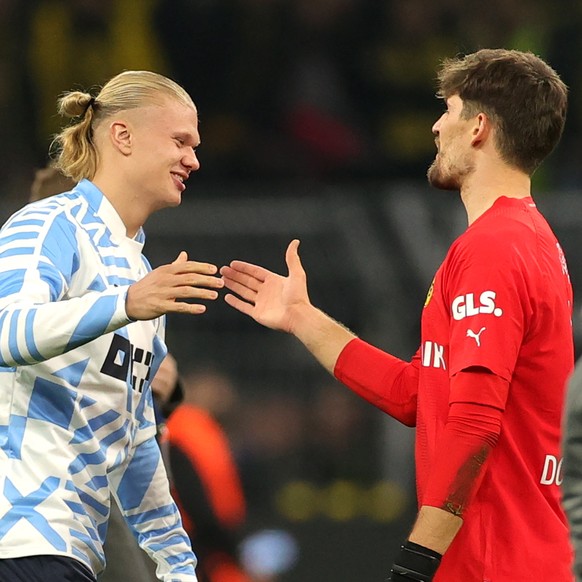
(164, 139)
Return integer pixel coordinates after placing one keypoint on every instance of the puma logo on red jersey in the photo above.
(476, 336)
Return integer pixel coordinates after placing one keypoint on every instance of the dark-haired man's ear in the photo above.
(481, 129)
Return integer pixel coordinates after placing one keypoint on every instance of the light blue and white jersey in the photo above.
(76, 410)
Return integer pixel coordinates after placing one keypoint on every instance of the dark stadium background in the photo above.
(315, 118)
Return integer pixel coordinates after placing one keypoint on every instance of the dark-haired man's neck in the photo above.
(489, 182)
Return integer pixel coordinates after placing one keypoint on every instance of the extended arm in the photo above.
(39, 256)
(283, 303)
(41, 316)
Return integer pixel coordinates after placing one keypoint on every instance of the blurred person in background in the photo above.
(571, 471)
(87, 314)
(485, 390)
(49, 181)
(341, 436)
(270, 448)
(205, 478)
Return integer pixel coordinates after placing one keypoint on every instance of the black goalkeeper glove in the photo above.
(414, 563)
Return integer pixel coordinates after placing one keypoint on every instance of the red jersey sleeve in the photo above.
(488, 294)
(387, 382)
(471, 432)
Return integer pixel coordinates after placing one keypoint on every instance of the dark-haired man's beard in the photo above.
(448, 176)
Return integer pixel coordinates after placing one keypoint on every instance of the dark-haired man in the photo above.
(485, 389)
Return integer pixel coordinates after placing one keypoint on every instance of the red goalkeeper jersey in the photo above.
(502, 301)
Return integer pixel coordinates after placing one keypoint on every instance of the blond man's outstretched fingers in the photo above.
(169, 288)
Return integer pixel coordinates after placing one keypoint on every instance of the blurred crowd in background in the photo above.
(325, 93)
(327, 90)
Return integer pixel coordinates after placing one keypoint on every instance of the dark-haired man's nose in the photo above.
(437, 124)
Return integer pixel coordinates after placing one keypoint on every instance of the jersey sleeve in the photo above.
(142, 491)
(38, 258)
(488, 292)
(387, 382)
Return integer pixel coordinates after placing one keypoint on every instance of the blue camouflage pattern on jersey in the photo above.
(76, 409)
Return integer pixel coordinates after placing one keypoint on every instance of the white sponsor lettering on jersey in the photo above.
(552, 471)
(433, 355)
(466, 306)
